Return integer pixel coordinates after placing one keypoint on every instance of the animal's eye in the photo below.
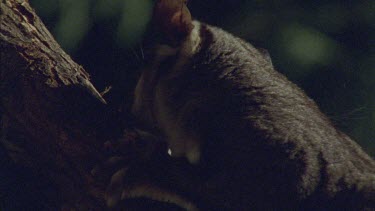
(162, 39)
(154, 38)
(167, 64)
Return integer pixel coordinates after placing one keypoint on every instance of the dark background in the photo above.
(326, 47)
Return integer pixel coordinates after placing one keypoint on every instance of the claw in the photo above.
(154, 193)
(104, 171)
(114, 190)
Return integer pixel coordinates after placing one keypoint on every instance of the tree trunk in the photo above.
(50, 111)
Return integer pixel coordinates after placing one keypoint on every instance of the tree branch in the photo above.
(49, 99)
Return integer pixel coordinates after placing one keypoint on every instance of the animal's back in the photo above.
(263, 136)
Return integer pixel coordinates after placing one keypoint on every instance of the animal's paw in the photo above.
(124, 189)
(104, 171)
(139, 168)
(133, 147)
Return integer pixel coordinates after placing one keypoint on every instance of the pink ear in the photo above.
(173, 19)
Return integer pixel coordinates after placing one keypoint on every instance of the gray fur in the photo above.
(264, 143)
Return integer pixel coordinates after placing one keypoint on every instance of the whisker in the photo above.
(136, 55)
(142, 53)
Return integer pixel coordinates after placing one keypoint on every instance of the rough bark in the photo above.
(50, 111)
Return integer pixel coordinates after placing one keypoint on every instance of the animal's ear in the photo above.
(173, 19)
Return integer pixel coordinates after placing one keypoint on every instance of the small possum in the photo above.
(260, 141)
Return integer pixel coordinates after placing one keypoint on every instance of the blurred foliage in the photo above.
(326, 47)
